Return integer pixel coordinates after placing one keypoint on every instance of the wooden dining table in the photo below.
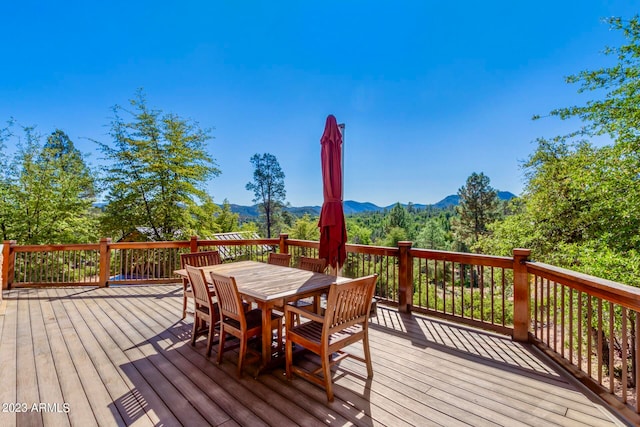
(270, 286)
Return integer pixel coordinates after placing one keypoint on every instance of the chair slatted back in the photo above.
(229, 299)
(317, 265)
(201, 292)
(349, 303)
(279, 259)
(200, 259)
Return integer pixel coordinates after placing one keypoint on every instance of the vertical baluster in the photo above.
(536, 311)
(555, 317)
(66, 277)
(471, 278)
(421, 302)
(493, 296)
(637, 354)
(128, 255)
(600, 341)
(504, 300)
(547, 306)
(39, 267)
(30, 274)
(625, 352)
(611, 348)
(571, 325)
(36, 266)
(589, 339)
(562, 319)
(580, 330)
(453, 285)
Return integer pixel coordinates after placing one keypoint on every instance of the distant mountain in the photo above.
(454, 199)
(353, 207)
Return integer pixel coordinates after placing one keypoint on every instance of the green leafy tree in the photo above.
(227, 221)
(158, 165)
(305, 228)
(398, 216)
(47, 192)
(268, 188)
(358, 234)
(581, 204)
(477, 208)
(432, 236)
(395, 235)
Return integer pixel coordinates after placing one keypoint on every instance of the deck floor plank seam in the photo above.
(453, 375)
(8, 361)
(108, 356)
(518, 377)
(49, 388)
(80, 412)
(171, 322)
(134, 367)
(322, 398)
(27, 380)
(122, 356)
(87, 371)
(165, 346)
(150, 367)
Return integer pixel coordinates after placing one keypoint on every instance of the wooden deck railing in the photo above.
(589, 325)
(586, 324)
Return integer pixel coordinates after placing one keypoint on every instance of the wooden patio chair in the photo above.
(195, 259)
(279, 259)
(235, 321)
(316, 265)
(205, 315)
(345, 322)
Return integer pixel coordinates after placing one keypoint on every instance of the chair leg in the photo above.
(288, 357)
(243, 350)
(184, 306)
(223, 335)
(194, 331)
(326, 371)
(210, 337)
(280, 336)
(367, 354)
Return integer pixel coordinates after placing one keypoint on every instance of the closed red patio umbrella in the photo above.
(333, 233)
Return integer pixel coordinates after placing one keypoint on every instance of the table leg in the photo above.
(266, 334)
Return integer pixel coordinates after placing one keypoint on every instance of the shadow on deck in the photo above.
(121, 356)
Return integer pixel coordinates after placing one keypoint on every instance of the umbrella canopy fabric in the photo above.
(333, 233)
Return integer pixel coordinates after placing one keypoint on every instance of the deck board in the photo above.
(8, 362)
(27, 381)
(121, 356)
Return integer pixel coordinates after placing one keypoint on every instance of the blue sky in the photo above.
(430, 92)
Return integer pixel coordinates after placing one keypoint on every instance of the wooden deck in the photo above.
(121, 356)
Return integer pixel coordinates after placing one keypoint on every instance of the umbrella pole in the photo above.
(341, 126)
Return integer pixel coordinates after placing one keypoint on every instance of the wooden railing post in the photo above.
(105, 261)
(193, 244)
(405, 277)
(8, 264)
(521, 297)
(284, 245)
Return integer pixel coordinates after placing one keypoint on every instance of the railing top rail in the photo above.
(238, 242)
(304, 243)
(373, 250)
(618, 293)
(463, 258)
(54, 248)
(149, 245)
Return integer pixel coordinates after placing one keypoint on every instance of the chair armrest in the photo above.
(288, 308)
